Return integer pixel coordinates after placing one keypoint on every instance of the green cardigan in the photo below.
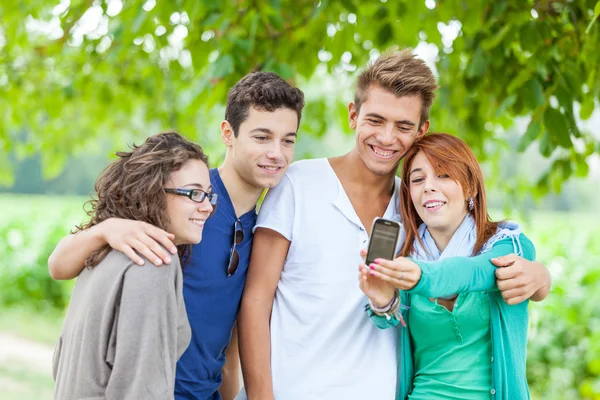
(508, 323)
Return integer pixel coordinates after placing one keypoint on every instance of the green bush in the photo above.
(30, 228)
(564, 338)
(24, 278)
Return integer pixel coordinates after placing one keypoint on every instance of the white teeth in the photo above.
(436, 204)
(382, 153)
(198, 222)
(270, 168)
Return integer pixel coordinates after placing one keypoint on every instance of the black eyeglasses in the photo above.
(234, 257)
(196, 195)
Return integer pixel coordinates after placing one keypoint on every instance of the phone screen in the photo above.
(383, 240)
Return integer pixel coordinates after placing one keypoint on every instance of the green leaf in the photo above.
(401, 9)
(477, 65)
(350, 6)
(494, 41)
(139, 20)
(557, 126)
(286, 71)
(223, 66)
(533, 92)
(530, 37)
(596, 14)
(519, 80)
(382, 13)
(385, 34)
(505, 105)
(533, 132)
(587, 108)
(53, 164)
(277, 21)
(582, 168)
(546, 146)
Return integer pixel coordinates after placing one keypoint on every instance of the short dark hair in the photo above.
(265, 91)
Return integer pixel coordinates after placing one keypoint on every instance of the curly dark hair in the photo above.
(265, 91)
(132, 186)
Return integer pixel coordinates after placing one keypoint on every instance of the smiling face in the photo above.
(185, 217)
(439, 201)
(264, 146)
(386, 126)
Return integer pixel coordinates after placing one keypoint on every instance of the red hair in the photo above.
(447, 155)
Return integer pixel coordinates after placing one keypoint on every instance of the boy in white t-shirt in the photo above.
(303, 334)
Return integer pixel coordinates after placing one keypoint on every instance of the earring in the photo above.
(471, 204)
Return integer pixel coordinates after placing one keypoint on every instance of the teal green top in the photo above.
(452, 349)
(508, 324)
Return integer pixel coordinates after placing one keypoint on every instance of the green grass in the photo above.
(32, 325)
(21, 382)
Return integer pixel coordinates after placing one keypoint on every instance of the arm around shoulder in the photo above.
(68, 258)
(132, 238)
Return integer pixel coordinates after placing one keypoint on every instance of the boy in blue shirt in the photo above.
(259, 131)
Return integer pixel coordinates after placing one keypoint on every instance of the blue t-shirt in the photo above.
(212, 299)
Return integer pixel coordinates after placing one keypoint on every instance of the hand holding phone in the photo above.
(383, 241)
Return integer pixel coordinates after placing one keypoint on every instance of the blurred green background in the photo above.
(520, 82)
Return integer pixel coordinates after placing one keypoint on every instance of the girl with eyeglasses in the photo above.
(126, 325)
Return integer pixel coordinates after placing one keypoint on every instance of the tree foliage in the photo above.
(77, 71)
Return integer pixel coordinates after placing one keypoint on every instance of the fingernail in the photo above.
(158, 261)
(173, 250)
(377, 261)
(372, 266)
(372, 273)
(141, 262)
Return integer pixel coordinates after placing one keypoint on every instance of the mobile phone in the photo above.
(383, 241)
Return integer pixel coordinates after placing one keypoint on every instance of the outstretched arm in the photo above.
(68, 258)
(469, 274)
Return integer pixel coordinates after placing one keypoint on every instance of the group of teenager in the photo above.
(175, 268)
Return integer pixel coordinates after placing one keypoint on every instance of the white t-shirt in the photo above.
(323, 345)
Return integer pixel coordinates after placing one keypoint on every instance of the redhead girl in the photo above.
(459, 339)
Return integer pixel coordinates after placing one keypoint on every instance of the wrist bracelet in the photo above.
(385, 309)
(392, 308)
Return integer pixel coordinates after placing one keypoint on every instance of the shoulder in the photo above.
(520, 244)
(149, 274)
(527, 247)
(304, 168)
(299, 174)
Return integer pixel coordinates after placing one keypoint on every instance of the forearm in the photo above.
(68, 258)
(544, 290)
(255, 349)
(231, 370)
(230, 386)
